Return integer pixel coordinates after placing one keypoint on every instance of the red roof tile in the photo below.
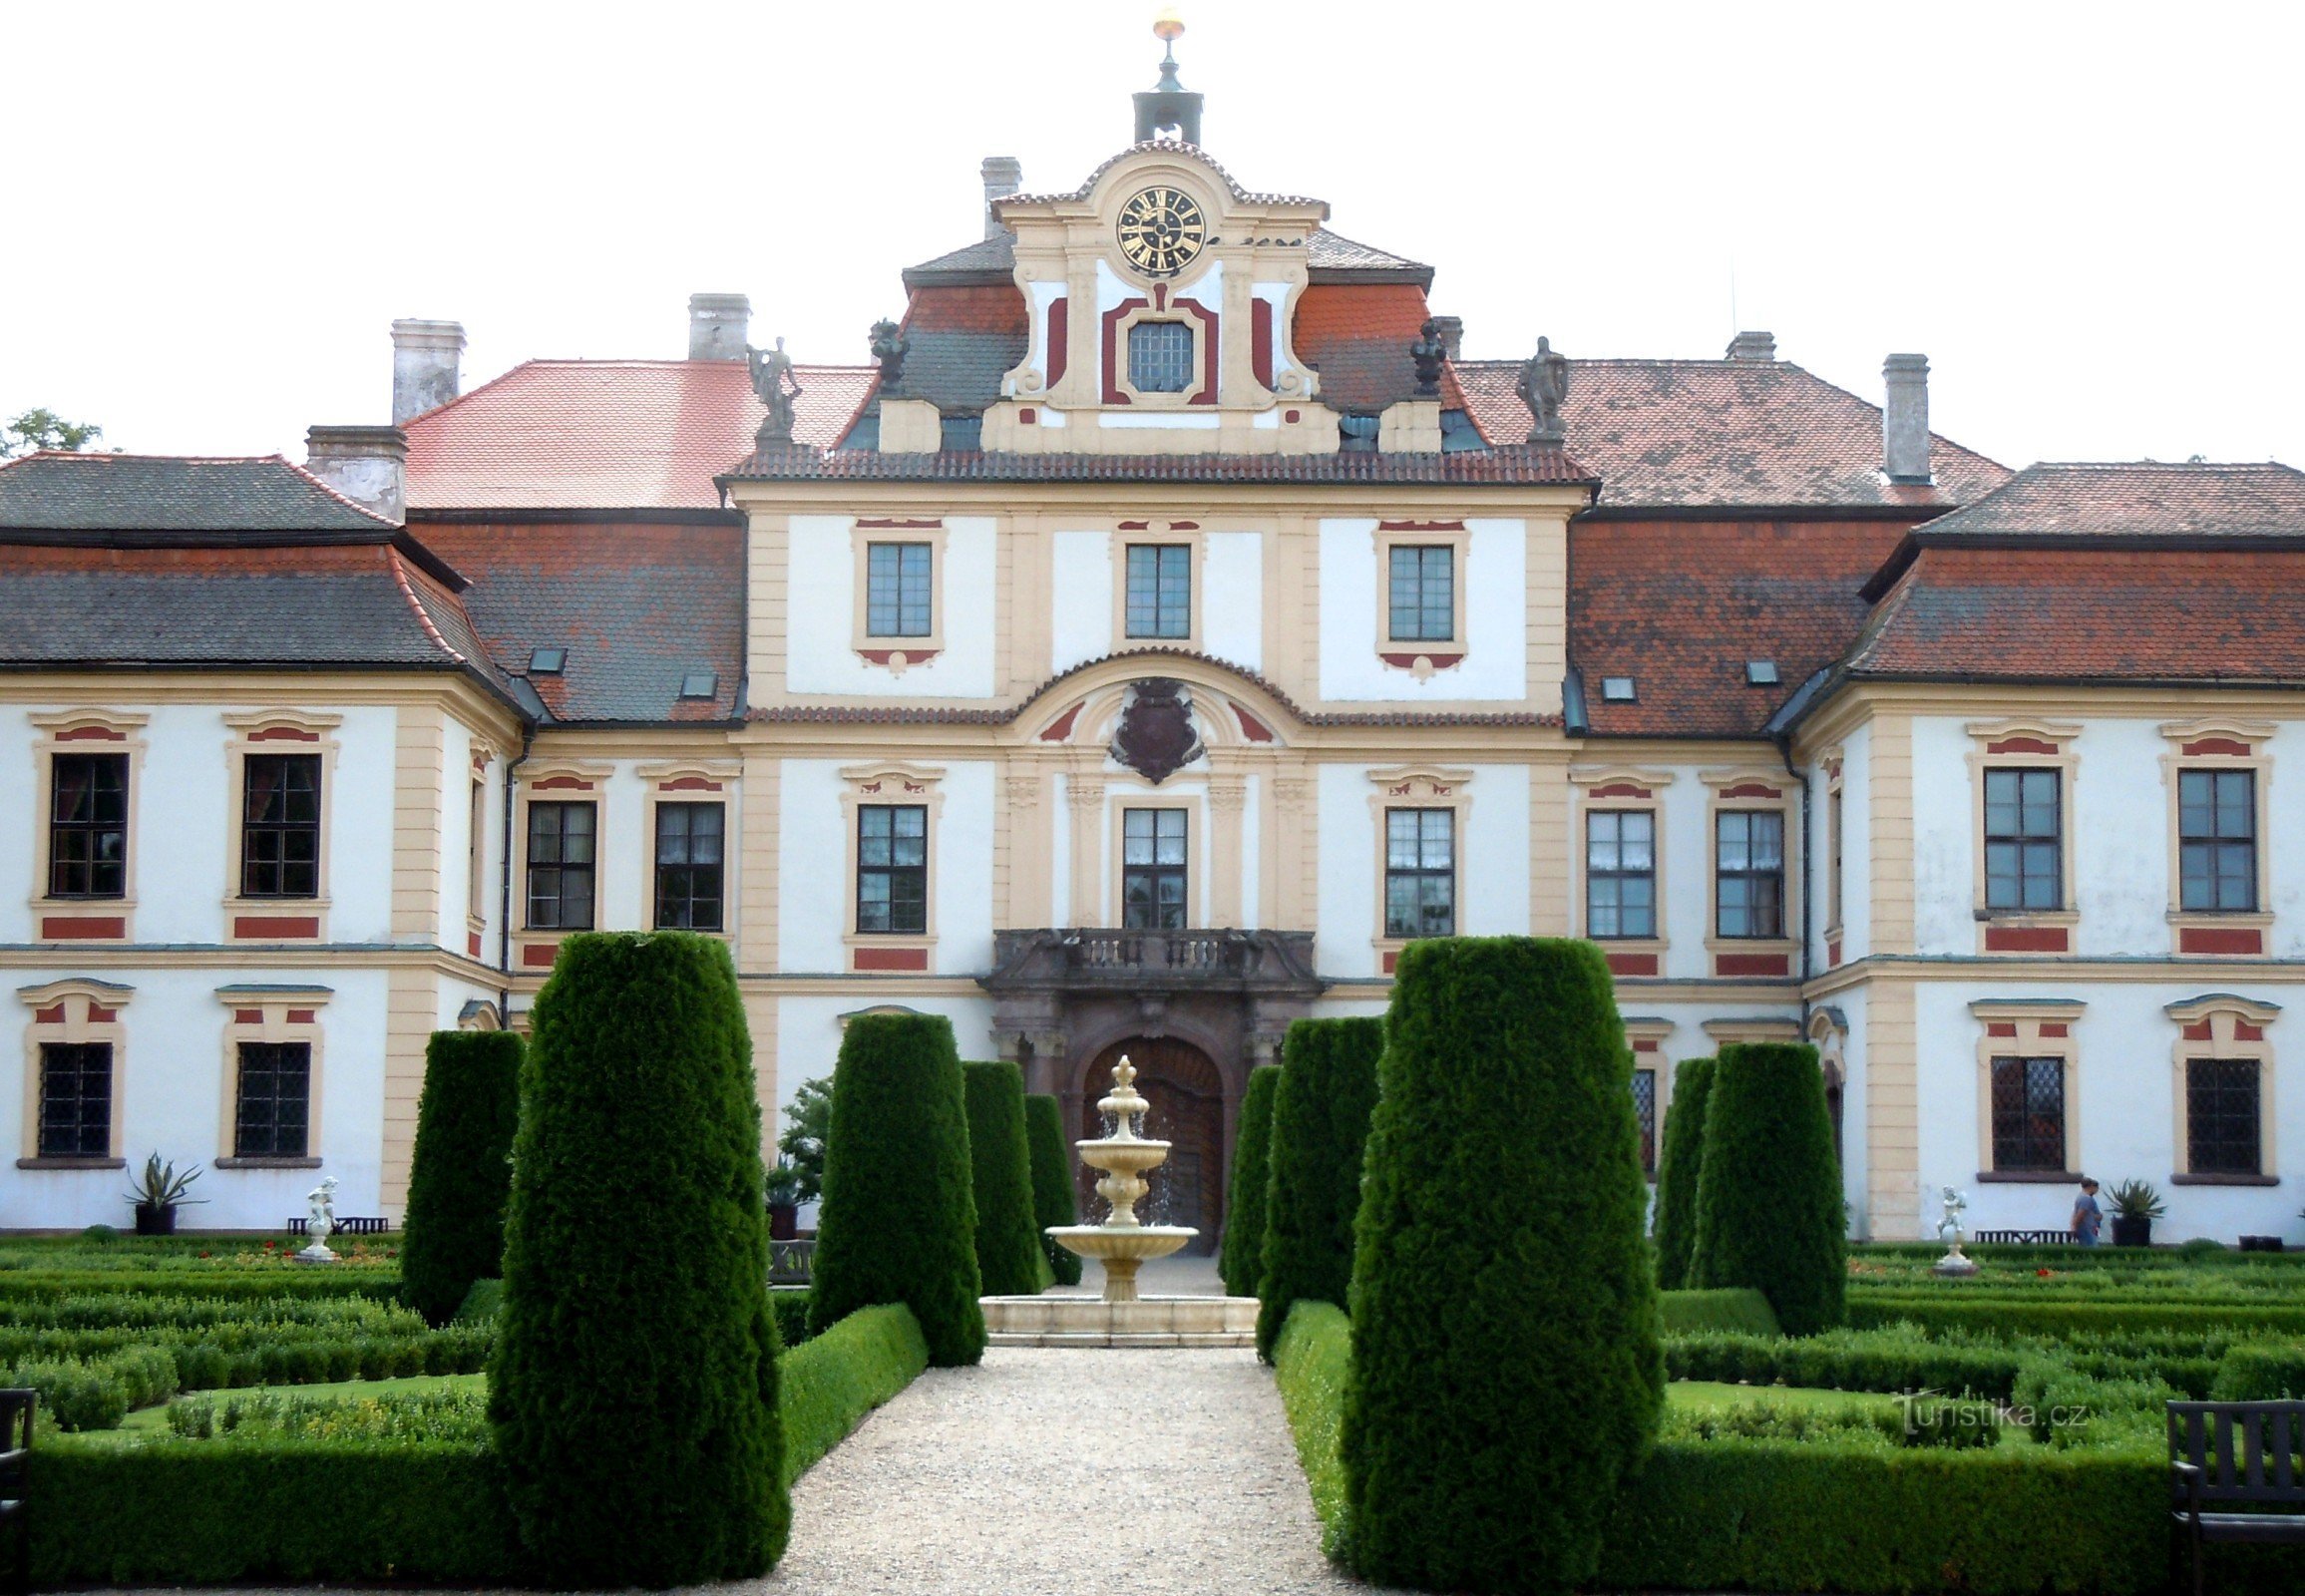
(609, 434)
(1356, 335)
(2138, 499)
(1519, 466)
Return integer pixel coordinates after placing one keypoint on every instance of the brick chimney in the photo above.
(425, 356)
(719, 327)
(1003, 176)
(1451, 333)
(367, 465)
(1905, 419)
(1752, 346)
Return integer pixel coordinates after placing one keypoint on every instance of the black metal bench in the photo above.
(2242, 1454)
(790, 1262)
(2023, 1238)
(349, 1225)
(15, 1472)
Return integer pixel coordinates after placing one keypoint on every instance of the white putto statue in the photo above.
(1954, 1263)
(319, 1222)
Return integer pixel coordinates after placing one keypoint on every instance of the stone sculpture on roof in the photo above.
(890, 345)
(773, 380)
(1544, 386)
(1429, 352)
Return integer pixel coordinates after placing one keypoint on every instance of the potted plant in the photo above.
(785, 1195)
(2135, 1205)
(157, 1194)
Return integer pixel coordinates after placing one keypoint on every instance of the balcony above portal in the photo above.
(1087, 958)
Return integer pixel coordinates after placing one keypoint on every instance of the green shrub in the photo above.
(1768, 1193)
(2257, 1371)
(899, 1223)
(1007, 1242)
(1319, 1124)
(790, 1304)
(1679, 1160)
(1240, 1260)
(483, 1301)
(1053, 1199)
(73, 1395)
(1505, 1364)
(633, 1387)
(1948, 1312)
(1311, 1363)
(462, 1168)
(843, 1375)
(1740, 1310)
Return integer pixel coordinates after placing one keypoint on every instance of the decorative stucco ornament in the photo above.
(1544, 386)
(773, 381)
(1155, 737)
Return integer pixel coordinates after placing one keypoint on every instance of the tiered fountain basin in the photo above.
(1120, 1316)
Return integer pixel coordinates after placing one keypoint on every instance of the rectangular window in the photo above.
(560, 847)
(1423, 596)
(1749, 872)
(899, 589)
(688, 853)
(1160, 590)
(1645, 1105)
(893, 869)
(2024, 847)
(273, 1117)
(2217, 840)
(88, 827)
(1160, 357)
(280, 827)
(2028, 1113)
(2221, 1109)
(1152, 869)
(75, 1099)
(475, 854)
(1833, 873)
(1620, 873)
(1421, 872)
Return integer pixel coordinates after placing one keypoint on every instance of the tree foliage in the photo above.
(1678, 1163)
(462, 1171)
(803, 1140)
(39, 429)
(1053, 1196)
(899, 1217)
(633, 1387)
(1769, 1197)
(1506, 1372)
(1008, 1241)
(1241, 1258)
(1320, 1124)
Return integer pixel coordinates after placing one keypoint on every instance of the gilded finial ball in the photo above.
(1167, 25)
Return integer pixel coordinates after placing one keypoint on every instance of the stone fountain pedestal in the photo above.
(1121, 1318)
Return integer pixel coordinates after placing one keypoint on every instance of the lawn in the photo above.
(1712, 1396)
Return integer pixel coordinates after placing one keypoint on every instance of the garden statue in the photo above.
(773, 381)
(1949, 1232)
(319, 1222)
(1543, 386)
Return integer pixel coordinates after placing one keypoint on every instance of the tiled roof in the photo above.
(1747, 434)
(1681, 606)
(54, 491)
(1171, 147)
(2149, 615)
(1358, 337)
(2140, 498)
(1325, 253)
(609, 434)
(1519, 465)
(961, 342)
(638, 606)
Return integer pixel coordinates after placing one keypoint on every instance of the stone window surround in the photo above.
(1988, 753)
(897, 655)
(554, 781)
(283, 1014)
(1620, 787)
(1835, 822)
(84, 731)
(1418, 786)
(1163, 304)
(1421, 657)
(2236, 1029)
(2029, 1028)
(1734, 790)
(692, 781)
(75, 1003)
(889, 782)
(1124, 793)
(275, 731)
(1172, 534)
(2250, 738)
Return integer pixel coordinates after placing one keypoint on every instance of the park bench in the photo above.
(2023, 1238)
(15, 1471)
(2237, 1455)
(349, 1225)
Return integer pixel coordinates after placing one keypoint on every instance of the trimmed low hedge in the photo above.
(1241, 1259)
(2262, 1371)
(1053, 1197)
(1320, 1128)
(2015, 1315)
(790, 1306)
(1311, 1364)
(462, 1169)
(1679, 1162)
(1007, 1242)
(1768, 1188)
(1741, 1309)
(830, 1385)
(289, 1282)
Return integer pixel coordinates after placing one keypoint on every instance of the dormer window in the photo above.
(1160, 356)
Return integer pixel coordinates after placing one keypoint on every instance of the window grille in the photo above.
(273, 1116)
(75, 1099)
(2028, 1113)
(2221, 1116)
(1160, 357)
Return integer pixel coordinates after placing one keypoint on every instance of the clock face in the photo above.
(1161, 231)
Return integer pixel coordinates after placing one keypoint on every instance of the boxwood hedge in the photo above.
(1679, 1161)
(1053, 1194)
(1319, 1124)
(462, 1170)
(1241, 1259)
(1008, 1241)
(1768, 1191)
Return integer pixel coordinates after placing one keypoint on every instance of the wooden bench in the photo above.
(15, 1472)
(349, 1225)
(2242, 1454)
(2023, 1238)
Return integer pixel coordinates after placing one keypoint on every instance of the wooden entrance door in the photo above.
(1188, 1109)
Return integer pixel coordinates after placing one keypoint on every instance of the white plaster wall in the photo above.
(22, 857)
(1493, 870)
(1684, 854)
(359, 827)
(1857, 847)
(1080, 597)
(1345, 909)
(1496, 618)
(455, 837)
(2284, 807)
(2122, 1117)
(821, 615)
(626, 851)
(961, 869)
(813, 899)
(2121, 860)
(1233, 602)
(1856, 1153)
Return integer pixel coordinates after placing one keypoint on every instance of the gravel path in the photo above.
(995, 1480)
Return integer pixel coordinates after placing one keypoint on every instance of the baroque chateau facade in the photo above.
(1164, 626)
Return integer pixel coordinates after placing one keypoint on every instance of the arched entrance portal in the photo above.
(1188, 1109)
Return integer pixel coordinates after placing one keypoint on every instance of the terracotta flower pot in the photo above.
(156, 1219)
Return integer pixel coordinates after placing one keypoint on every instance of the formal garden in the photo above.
(1505, 1367)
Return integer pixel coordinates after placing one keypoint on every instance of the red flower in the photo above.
(2042, 1273)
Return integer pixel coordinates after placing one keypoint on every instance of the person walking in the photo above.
(2087, 1218)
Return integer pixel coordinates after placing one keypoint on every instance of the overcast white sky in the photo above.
(2086, 215)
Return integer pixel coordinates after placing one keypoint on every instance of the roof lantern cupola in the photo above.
(1168, 104)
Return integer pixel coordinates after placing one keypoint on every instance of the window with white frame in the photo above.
(1160, 591)
(893, 869)
(2218, 841)
(900, 590)
(88, 826)
(1420, 873)
(1749, 872)
(2024, 839)
(1619, 874)
(272, 1111)
(1153, 869)
(75, 1110)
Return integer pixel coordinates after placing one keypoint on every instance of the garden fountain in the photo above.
(1122, 1243)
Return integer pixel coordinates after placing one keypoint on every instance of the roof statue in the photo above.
(889, 347)
(1544, 386)
(773, 380)
(1429, 354)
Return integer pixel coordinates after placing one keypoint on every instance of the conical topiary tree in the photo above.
(897, 1221)
(1053, 1199)
(1007, 1242)
(1506, 1373)
(1769, 1197)
(1319, 1121)
(634, 1384)
(1242, 1256)
(452, 1232)
(1678, 1163)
